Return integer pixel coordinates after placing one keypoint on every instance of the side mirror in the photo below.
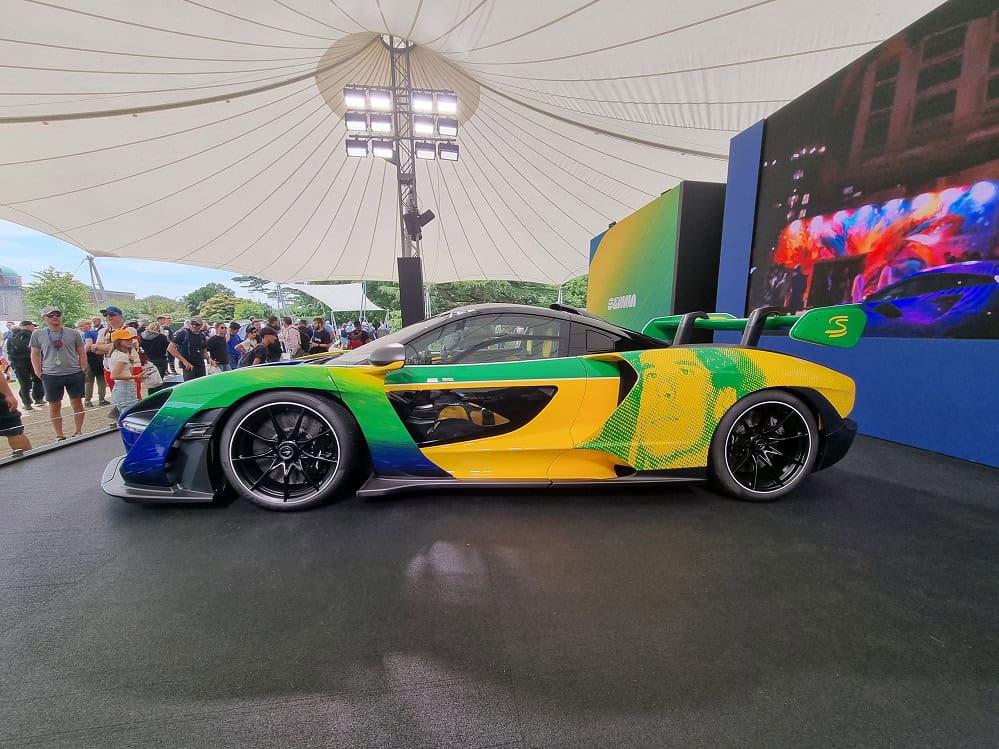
(388, 354)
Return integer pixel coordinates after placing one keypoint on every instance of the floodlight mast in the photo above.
(405, 142)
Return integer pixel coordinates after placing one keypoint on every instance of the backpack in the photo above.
(247, 358)
(185, 346)
(19, 345)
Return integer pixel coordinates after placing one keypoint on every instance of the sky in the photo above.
(28, 251)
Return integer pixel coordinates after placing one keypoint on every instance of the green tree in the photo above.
(58, 289)
(247, 308)
(303, 305)
(258, 285)
(445, 296)
(199, 296)
(574, 291)
(385, 295)
(153, 305)
(219, 307)
(254, 283)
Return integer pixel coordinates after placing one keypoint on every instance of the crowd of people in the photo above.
(112, 358)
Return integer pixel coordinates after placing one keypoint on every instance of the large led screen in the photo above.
(633, 265)
(881, 185)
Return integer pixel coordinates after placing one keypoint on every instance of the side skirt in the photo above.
(380, 487)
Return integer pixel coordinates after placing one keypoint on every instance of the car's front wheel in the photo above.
(289, 450)
(764, 446)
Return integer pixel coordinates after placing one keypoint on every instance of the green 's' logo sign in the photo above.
(839, 326)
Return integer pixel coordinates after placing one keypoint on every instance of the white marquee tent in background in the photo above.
(343, 297)
(211, 132)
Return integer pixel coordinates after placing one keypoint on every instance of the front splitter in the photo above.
(112, 483)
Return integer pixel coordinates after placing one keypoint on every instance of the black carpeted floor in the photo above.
(863, 611)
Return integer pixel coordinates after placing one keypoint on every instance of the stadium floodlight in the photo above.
(423, 125)
(425, 150)
(447, 151)
(355, 121)
(447, 103)
(422, 101)
(357, 147)
(383, 148)
(381, 123)
(447, 127)
(380, 99)
(353, 98)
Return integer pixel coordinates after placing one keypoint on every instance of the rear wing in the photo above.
(839, 326)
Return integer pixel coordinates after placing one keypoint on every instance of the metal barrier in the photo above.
(39, 428)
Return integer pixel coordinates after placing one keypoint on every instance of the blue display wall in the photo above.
(933, 393)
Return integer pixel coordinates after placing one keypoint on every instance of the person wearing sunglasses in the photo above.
(188, 347)
(114, 320)
(59, 358)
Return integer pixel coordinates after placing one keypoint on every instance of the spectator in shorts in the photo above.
(10, 421)
(218, 347)
(115, 320)
(19, 356)
(188, 347)
(94, 373)
(59, 358)
(125, 370)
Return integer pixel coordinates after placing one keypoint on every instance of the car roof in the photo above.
(562, 313)
(977, 267)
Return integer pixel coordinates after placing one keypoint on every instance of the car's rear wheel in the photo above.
(764, 446)
(289, 450)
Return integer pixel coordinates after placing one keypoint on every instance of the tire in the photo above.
(290, 450)
(764, 446)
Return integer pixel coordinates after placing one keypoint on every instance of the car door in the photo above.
(491, 396)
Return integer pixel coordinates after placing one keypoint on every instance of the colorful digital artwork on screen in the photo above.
(881, 185)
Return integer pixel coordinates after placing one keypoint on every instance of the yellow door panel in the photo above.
(524, 453)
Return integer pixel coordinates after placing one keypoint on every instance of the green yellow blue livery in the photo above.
(503, 395)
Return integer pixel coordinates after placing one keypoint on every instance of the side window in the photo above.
(929, 283)
(586, 340)
(597, 342)
(489, 338)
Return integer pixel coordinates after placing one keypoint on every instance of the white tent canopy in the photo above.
(211, 133)
(343, 297)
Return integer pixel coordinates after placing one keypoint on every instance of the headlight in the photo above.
(137, 417)
(137, 422)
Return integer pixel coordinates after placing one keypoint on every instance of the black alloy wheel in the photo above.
(288, 450)
(764, 446)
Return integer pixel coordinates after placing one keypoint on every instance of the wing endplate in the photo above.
(840, 325)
